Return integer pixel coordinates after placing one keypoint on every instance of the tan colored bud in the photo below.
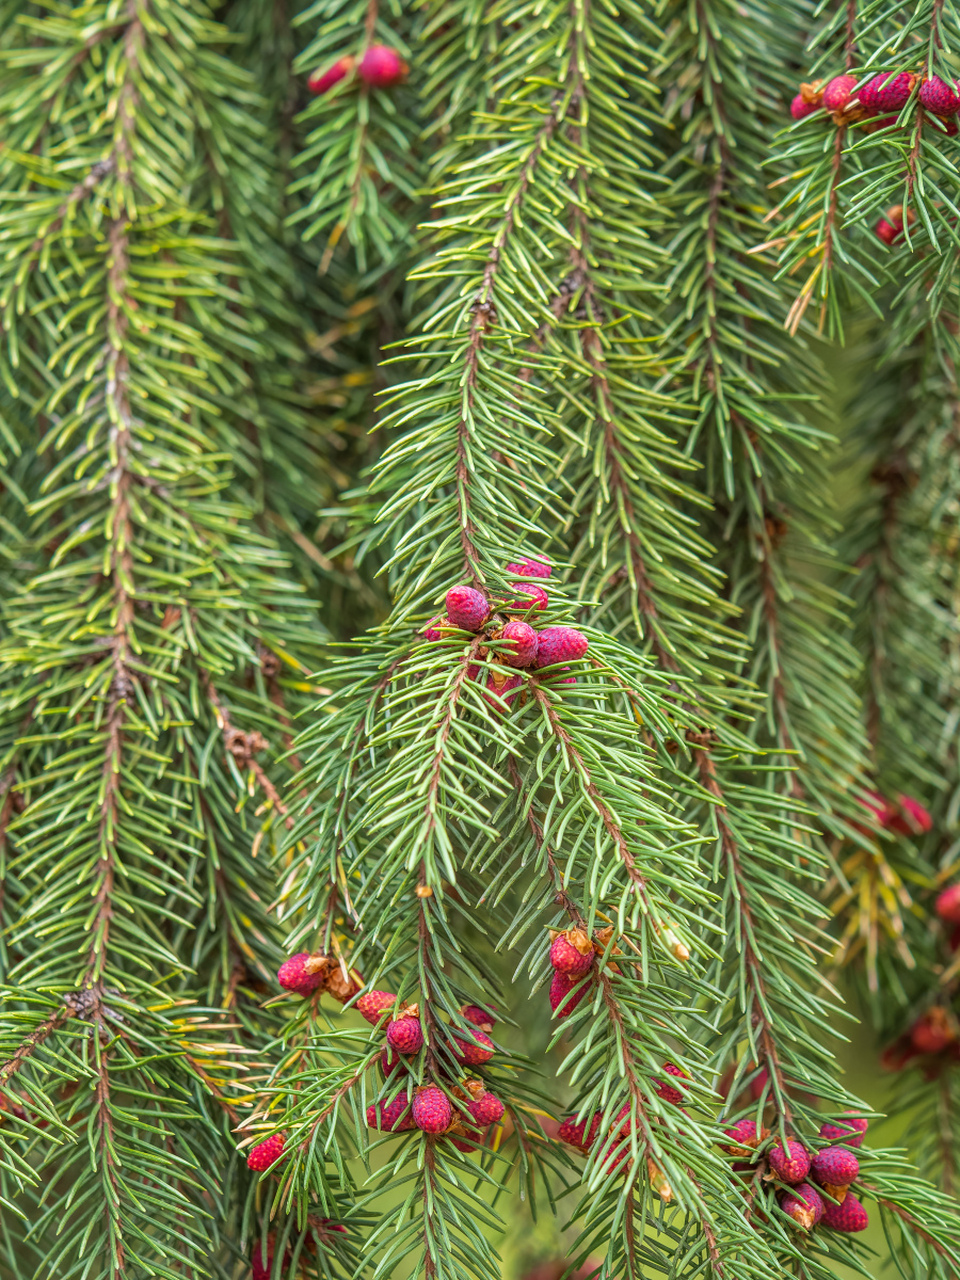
(659, 1182)
(344, 987)
(839, 1193)
(601, 939)
(804, 1216)
(812, 92)
(580, 939)
(674, 943)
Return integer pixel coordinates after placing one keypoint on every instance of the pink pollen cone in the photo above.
(320, 81)
(382, 67)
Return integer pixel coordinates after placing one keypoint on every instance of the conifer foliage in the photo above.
(401, 830)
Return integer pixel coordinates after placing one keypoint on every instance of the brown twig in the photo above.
(484, 308)
(597, 803)
(31, 1043)
(753, 969)
(243, 747)
(771, 615)
(116, 364)
(77, 194)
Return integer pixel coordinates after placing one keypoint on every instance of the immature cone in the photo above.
(438, 628)
(893, 95)
(372, 1005)
(835, 1167)
(910, 817)
(502, 689)
(560, 644)
(479, 1017)
(758, 1082)
(293, 975)
(667, 1091)
(382, 67)
(529, 596)
(389, 1061)
(848, 1217)
(263, 1155)
(466, 608)
(562, 1001)
(947, 905)
(745, 1136)
(889, 229)
(804, 1205)
(838, 92)
(470, 1140)
(326, 1226)
(530, 569)
(574, 1132)
(939, 97)
(405, 1035)
(8, 1106)
(389, 1117)
(849, 1130)
(572, 953)
(581, 1134)
(558, 675)
(791, 1163)
(888, 91)
(800, 108)
(475, 1051)
(432, 1111)
(487, 1109)
(877, 804)
(520, 644)
(933, 1031)
(898, 1055)
(867, 94)
(623, 1122)
(322, 80)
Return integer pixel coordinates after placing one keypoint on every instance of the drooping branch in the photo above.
(762, 1031)
(119, 524)
(484, 315)
(612, 1011)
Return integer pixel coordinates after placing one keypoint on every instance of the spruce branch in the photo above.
(843, 172)
(591, 361)
(141, 585)
(723, 1238)
(763, 472)
(363, 189)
